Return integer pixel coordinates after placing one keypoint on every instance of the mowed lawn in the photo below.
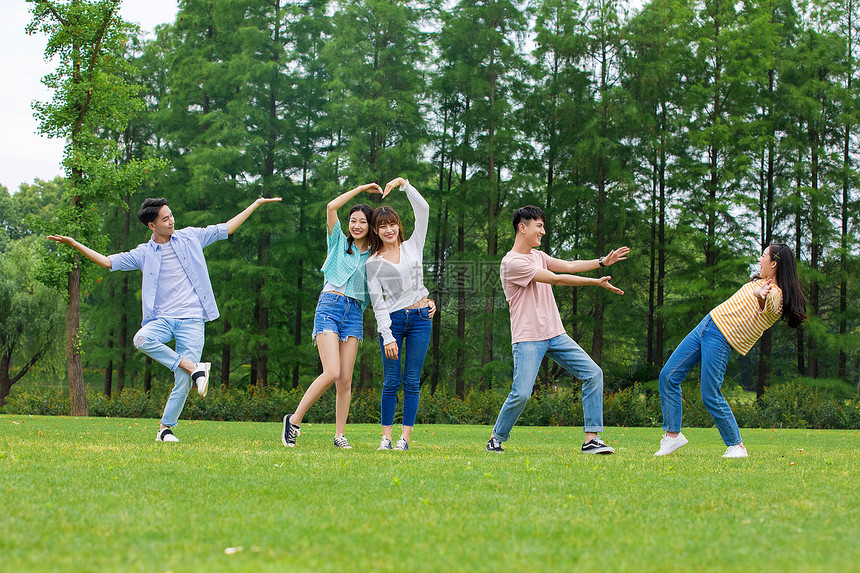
(99, 494)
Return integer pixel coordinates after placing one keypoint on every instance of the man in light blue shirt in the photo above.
(176, 294)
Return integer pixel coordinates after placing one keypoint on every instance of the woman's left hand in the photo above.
(263, 200)
(396, 182)
(432, 305)
(391, 351)
(764, 289)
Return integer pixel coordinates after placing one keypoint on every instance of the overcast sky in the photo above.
(24, 155)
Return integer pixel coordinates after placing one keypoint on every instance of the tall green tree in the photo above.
(32, 322)
(600, 144)
(91, 94)
(653, 69)
(375, 61)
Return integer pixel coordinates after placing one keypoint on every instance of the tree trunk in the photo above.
(767, 238)
(652, 270)
(297, 327)
(123, 320)
(147, 375)
(226, 355)
(74, 370)
(5, 381)
(263, 315)
(814, 250)
(798, 230)
(492, 227)
(460, 367)
(599, 302)
(109, 369)
(123, 337)
(659, 336)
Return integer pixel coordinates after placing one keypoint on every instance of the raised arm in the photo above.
(613, 257)
(549, 277)
(420, 207)
(341, 200)
(92, 255)
(234, 223)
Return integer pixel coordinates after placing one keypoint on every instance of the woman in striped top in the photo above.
(736, 323)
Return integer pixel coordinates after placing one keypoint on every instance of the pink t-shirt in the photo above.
(534, 314)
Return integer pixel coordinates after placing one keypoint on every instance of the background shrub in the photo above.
(793, 404)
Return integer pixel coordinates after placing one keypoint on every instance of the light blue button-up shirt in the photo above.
(188, 243)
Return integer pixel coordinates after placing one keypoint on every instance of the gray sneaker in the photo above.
(384, 445)
(402, 445)
(340, 442)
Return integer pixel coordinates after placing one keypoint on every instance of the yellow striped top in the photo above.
(742, 321)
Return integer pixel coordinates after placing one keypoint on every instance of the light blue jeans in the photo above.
(152, 340)
(706, 344)
(527, 359)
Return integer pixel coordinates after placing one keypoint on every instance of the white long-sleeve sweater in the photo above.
(395, 287)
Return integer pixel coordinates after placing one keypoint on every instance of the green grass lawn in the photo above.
(99, 494)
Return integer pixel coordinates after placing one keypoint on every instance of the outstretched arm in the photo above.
(234, 223)
(545, 276)
(613, 257)
(92, 255)
(341, 200)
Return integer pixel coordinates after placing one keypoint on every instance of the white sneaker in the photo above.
(165, 435)
(738, 451)
(385, 444)
(402, 445)
(202, 381)
(669, 445)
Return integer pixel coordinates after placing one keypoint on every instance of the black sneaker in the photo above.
(290, 433)
(494, 445)
(596, 446)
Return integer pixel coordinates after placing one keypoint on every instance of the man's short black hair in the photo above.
(149, 210)
(526, 214)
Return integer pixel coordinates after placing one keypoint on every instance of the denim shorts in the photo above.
(339, 314)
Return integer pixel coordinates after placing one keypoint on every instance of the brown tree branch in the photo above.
(76, 128)
(36, 357)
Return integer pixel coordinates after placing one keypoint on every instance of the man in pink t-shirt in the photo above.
(536, 328)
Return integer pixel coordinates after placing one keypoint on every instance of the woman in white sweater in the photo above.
(395, 282)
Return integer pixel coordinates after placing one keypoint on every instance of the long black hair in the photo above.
(367, 213)
(793, 301)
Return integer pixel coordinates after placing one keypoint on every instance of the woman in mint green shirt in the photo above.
(338, 318)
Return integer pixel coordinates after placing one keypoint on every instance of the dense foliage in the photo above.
(790, 405)
(694, 131)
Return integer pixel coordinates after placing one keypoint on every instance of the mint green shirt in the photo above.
(344, 270)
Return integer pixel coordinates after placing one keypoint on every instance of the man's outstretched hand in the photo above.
(604, 282)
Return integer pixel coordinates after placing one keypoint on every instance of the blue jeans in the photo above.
(411, 330)
(706, 344)
(152, 340)
(527, 359)
(339, 314)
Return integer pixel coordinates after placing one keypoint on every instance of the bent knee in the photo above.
(140, 340)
